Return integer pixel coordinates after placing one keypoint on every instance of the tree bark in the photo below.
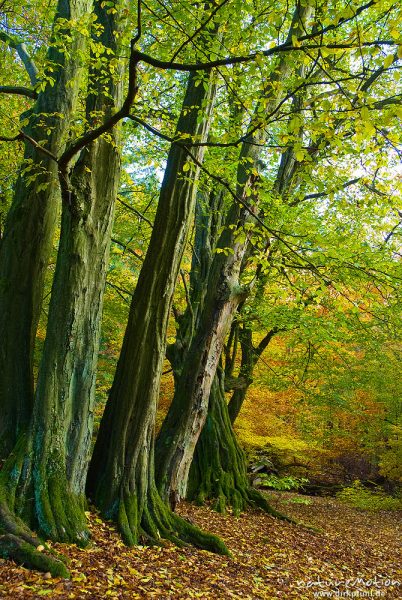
(186, 416)
(28, 234)
(51, 460)
(121, 476)
(218, 471)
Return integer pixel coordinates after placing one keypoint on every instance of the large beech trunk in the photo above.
(43, 483)
(121, 476)
(218, 471)
(28, 235)
(186, 416)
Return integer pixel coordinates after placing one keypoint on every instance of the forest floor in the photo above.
(354, 554)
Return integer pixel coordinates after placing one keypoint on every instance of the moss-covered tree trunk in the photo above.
(186, 416)
(187, 413)
(29, 229)
(44, 478)
(218, 472)
(121, 476)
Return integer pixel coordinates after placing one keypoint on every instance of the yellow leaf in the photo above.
(295, 41)
(365, 114)
(388, 61)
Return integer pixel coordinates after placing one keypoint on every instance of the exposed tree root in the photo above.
(155, 522)
(218, 473)
(26, 504)
(15, 548)
(225, 493)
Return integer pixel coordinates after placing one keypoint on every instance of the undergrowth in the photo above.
(362, 498)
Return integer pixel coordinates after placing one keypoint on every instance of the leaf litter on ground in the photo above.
(350, 550)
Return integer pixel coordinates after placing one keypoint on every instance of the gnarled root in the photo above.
(24, 504)
(156, 522)
(16, 548)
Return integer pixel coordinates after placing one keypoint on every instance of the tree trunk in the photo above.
(121, 476)
(51, 461)
(249, 358)
(218, 471)
(209, 213)
(28, 235)
(187, 413)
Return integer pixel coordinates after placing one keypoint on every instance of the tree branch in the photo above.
(120, 291)
(124, 111)
(135, 211)
(286, 47)
(24, 136)
(127, 249)
(137, 37)
(326, 193)
(18, 90)
(23, 53)
(198, 30)
(233, 60)
(266, 340)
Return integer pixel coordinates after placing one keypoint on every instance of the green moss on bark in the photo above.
(158, 523)
(17, 540)
(14, 548)
(218, 472)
